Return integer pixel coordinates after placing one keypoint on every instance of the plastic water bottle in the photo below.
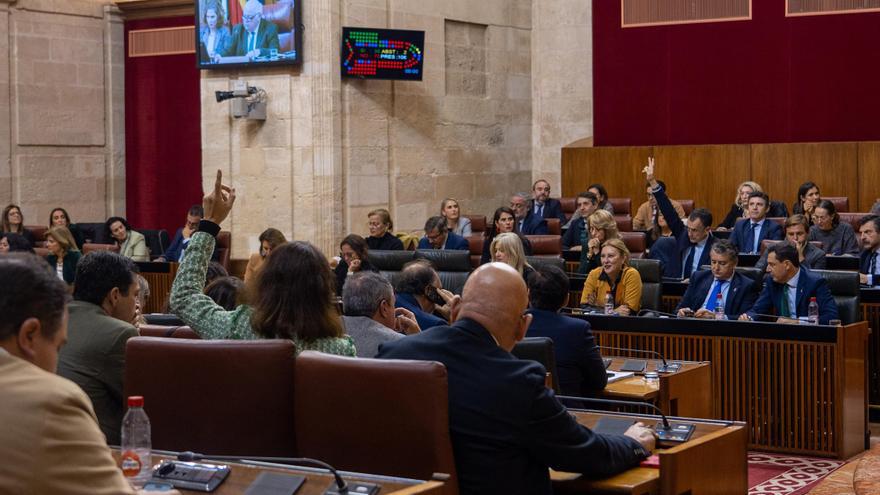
(609, 303)
(136, 460)
(813, 312)
(719, 308)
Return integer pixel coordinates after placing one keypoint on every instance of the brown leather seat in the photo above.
(475, 246)
(545, 245)
(622, 206)
(841, 203)
(281, 14)
(39, 233)
(766, 243)
(687, 205)
(853, 218)
(221, 397)
(636, 242)
(89, 247)
(224, 248)
(478, 223)
(376, 416)
(624, 222)
(553, 226)
(41, 251)
(568, 206)
(176, 332)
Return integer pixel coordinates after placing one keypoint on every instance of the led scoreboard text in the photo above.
(382, 53)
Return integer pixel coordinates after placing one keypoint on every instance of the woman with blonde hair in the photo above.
(457, 224)
(508, 248)
(63, 254)
(614, 277)
(601, 226)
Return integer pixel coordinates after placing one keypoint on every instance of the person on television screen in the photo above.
(254, 37)
(214, 33)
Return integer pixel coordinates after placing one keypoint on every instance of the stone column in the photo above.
(5, 115)
(114, 98)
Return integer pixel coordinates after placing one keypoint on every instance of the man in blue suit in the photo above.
(869, 259)
(506, 426)
(527, 222)
(543, 205)
(788, 289)
(748, 234)
(737, 292)
(579, 365)
(693, 241)
(438, 236)
(419, 290)
(578, 230)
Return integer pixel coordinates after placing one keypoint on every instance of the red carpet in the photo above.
(776, 474)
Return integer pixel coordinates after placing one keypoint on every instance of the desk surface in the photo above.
(636, 387)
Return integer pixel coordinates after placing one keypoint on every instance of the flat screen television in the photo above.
(369, 53)
(241, 33)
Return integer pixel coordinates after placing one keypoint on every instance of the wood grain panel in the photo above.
(781, 167)
(707, 174)
(869, 176)
(619, 169)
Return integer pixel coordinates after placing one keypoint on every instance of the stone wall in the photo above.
(61, 108)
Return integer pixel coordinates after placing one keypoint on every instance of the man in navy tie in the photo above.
(748, 234)
(543, 206)
(869, 259)
(737, 292)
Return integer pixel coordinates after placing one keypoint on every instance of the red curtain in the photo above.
(163, 152)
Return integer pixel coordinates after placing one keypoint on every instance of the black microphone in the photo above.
(666, 425)
(652, 312)
(660, 369)
(342, 487)
(772, 317)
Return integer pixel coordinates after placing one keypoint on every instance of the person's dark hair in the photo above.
(357, 244)
(548, 287)
(196, 211)
(415, 276)
(725, 248)
(602, 192)
(491, 231)
(797, 219)
(875, 219)
(804, 189)
(363, 292)
(829, 207)
(589, 195)
(4, 221)
(17, 243)
(785, 251)
(762, 195)
(98, 272)
(225, 291)
(30, 289)
(294, 295)
(215, 271)
(110, 221)
(66, 216)
(703, 215)
(273, 236)
(438, 223)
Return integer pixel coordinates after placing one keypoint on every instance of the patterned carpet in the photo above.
(776, 474)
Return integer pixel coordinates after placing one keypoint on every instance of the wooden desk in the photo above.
(317, 481)
(712, 461)
(160, 277)
(687, 392)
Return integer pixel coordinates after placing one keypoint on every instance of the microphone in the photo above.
(681, 432)
(666, 425)
(760, 315)
(665, 368)
(652, 312)
(341, 486)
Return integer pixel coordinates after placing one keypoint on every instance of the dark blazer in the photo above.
(533, 225)
(572, 236)
(425, 320)
(741, 294)
(177, 247)
(809, 285)
(673, 266)
(865, 265)
(552, 209)
(770, 230)
(388, 242)
(341, 273)
(267, 38)
(579, 365)
(69, 264)
(777, 209)
(506, 427)
(454, 242)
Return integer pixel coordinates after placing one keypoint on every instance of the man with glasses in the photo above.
(437, 236)
(254, 37)
(527, 222)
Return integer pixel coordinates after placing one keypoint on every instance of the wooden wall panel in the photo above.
(707, 174)
(869, 176)
(619, 169)
(781, 167)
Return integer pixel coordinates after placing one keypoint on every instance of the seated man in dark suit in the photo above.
(748, 234)
(437, 236)
(789, 288)
(527, 222)
(577, 233)
(254, 37)
(869, 260)
(543, 205)
(578, 361)
(693, 241)
(182, 236)
(419, 290)
(506, 426)
(721, 285)
(797, 229)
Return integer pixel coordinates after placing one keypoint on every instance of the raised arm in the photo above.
(664, 204)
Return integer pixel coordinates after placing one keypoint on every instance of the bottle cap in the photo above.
(136, 401)
(812, 299)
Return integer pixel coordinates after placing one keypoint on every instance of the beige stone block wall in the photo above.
(61, 108)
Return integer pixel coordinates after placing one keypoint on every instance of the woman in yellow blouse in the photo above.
(614, 276)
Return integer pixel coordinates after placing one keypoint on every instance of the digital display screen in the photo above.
(237, 33)
(382, 53)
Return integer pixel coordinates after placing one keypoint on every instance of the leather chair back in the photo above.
(844, 287)
(41, 252)
(475, 248)
(753, 273)
(687, 205)
(169, 332)
(537, 261)
(281, 14)
(841, 203)
(778, 220)
(39, 233)
(553, 226)
(622, 206)
(390, 263)
(651, 277)
(539, 349)
(89, 247)
(636, 242)
(569, 205)
(546, 245)
(94, 232)
(378, 416)
(224, 248)
(157, 241)
(164, 320)
(853, 219)
(453, 267)
(624, 223)
(222, 397)
(478, 223)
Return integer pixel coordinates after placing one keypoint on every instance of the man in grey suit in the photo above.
(796, 230)
(100, 324)
(370, 317)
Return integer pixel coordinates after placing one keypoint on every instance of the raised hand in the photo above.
(219, 202)
(649, 170)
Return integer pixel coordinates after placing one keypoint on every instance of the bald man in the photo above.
(506, 427)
